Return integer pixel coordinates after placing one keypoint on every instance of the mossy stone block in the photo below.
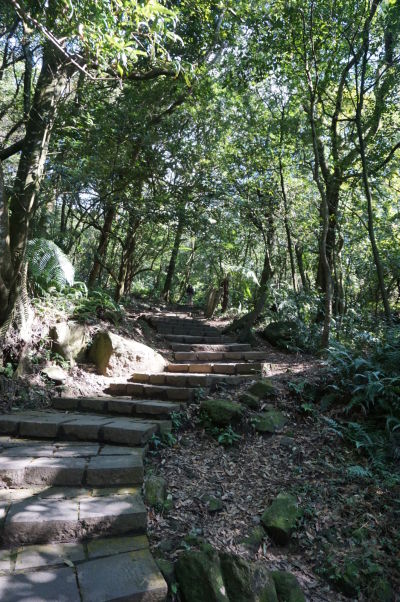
(155, 489)
(262, 388)
(279, 520)
(287, 587)
(246, 582)
(199, 577)
(250, 401)
(269, 422)
(221, 412)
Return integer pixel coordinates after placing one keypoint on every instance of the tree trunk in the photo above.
(102, 246)
(172, 262)
(245, 323)
(367, 188)
(225, 294)
(299, 256)
(286, 222)
(213, 298)
(51, 84)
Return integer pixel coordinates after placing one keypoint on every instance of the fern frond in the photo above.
(48, 266)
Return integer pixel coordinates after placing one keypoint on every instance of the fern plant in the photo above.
(48, 266)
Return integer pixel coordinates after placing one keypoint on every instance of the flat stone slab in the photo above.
(189, 380)
(215, 347)
(160, 392)
(114, 470)
(111, 405)
(33, 557)
(37, 520)
(133, 576)
(83, 427)
(51, 585)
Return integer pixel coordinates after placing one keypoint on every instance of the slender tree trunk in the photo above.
(127, 252)
(102, 246)
(367, 189)
(245, 323)
(225, 294)
(299, 256)
(287, 227)
(172, 262)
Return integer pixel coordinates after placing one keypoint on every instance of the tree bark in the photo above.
(102, 246)
(225, 294)
(287, 227)
(367, 188)
(172, 262)
(299, 256)
(51, 84)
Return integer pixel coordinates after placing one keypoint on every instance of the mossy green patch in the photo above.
(279, 520)
(269, 422)
(287, 587)
(262, 388)
(221, 412)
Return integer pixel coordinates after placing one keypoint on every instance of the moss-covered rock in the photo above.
(287, 587)
(254, 539)
(246, 582)
(200, 578)
(279, 520)
(250, 401)
(283, 334)
(155, 489)
(220, 412)
(167, 569)
(262, 389)
(269, 422)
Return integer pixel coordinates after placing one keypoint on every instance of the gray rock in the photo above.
(69, 340)
(155, 491)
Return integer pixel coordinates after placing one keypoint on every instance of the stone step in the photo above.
(189, 330)
(83, 427)
(189, 380)
(149, 391)
(223, 356)
(26, 465)
(229, 347)
(110, 569)
(36, 519)
(228, 368)
(206, 340)
(113, 405)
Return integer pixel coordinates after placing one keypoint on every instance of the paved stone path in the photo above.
(72, 520)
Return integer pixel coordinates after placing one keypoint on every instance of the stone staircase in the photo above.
(203, 359)
(72, 520)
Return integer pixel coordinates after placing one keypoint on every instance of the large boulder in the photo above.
(70, 340)
(115, 355)
(220, 412)
(279, 520)
(284, 333)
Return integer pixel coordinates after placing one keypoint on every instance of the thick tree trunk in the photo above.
(166, 293)
(102, 246)
(49, 90)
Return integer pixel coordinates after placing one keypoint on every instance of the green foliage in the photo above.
(227, 437)
(98, 305)
(48, 267)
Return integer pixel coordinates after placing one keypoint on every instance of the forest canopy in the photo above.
(249, 149)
